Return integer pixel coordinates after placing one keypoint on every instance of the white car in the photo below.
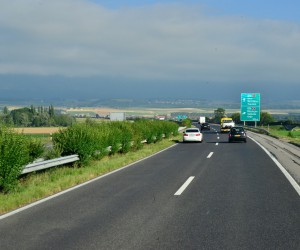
(192, 135)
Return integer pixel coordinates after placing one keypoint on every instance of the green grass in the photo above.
(44, 138)
(36, 186)
(280, 132)
(96, 120)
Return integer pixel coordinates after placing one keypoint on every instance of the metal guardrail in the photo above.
(55, 162)
(49, 163)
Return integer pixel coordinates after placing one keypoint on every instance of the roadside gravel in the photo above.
(287, 154)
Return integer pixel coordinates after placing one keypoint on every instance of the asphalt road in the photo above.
(236, 198)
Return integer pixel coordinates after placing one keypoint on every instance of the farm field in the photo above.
(150, 112)
(39, 130)
(134, 112)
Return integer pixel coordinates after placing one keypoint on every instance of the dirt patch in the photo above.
(50, 130)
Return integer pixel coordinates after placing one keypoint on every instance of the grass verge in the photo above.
(280, 133)
(36, 186)
(290, 136)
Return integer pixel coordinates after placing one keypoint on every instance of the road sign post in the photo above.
(250, 107)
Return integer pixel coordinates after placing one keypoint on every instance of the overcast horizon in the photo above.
(211, 50)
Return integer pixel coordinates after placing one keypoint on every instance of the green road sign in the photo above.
(181, 117)
(250, 107)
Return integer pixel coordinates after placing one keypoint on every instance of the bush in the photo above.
(94, 140)
(52, 153)
(36, 149)
(290, 134)
(170, 128)
(80, 139)
(14, 155)
(126, 135)
(187, 123)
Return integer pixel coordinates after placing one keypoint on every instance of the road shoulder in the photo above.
(288, 155)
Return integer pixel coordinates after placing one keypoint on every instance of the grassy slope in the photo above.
(291, 136)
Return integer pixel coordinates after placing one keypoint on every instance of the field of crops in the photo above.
(49, 130)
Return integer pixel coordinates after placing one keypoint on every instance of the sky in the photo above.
(206, 49)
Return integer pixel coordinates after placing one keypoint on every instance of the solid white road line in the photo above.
(185, 185)
(210, 154)
(283, 170)
(78, 186)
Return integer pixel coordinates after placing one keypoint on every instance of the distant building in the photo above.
(117, 116)
(160, 117)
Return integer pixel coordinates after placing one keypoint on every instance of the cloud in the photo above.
(166, 41)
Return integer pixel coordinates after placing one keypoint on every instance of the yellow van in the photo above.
(226, 124)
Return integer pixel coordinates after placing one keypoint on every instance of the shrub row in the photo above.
(16, 150)
(89, 141)
(94, 140)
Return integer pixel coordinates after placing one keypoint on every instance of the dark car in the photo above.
(205, 126)
(237, 134)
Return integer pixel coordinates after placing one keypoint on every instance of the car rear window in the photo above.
(192, 130)
(237, 130)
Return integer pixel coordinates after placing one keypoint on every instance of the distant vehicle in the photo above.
(237, 134)
(226, 124)
(192, 135)
(205, 126)
(201, 119)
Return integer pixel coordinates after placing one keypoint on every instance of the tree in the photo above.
(36, 117)
(186, 123)
(44, 118)
(236, 117)
(32, 109)
(51, 111)
(6, 119)
(64, 120)
(266, 118)
(5, 110)
(219, 113)
(21, 117)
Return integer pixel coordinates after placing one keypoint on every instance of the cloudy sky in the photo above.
(149, 49)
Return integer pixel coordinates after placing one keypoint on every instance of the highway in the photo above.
(210, 195)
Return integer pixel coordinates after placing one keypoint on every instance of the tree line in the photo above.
(35, 117)
(265, 117)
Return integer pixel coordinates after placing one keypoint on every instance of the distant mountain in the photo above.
(120, 92)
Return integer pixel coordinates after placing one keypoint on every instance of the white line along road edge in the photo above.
(283, 170)
(79, 186)
(185, 185)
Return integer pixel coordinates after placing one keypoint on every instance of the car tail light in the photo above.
(197, 134)
(185, 134)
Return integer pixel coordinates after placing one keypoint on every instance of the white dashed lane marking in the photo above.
(210, 154)
(185, 185)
